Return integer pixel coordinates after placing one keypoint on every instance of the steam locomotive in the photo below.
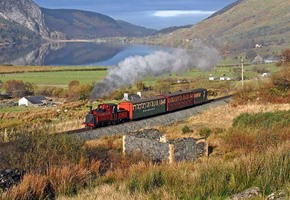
(106, 114)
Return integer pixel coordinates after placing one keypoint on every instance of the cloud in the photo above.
(176, 13)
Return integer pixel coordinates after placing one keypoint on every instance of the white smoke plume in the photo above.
(135, 68)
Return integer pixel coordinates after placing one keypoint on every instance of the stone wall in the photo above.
(189, 149)
(153, 145)
(149, 148)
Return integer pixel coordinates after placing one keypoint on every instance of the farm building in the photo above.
(258, 59)
(32, 101)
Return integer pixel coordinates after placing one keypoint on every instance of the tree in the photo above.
(72, 84)
(281, 79)
(17, 88)
(286, 56)
(77, 91)
(140, 85)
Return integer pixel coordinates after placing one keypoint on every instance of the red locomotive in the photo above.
(106, 114)
(131, 110)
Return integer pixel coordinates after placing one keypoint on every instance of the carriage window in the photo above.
(197, 95)
(134, 107)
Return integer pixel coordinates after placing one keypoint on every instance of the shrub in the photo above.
(186, 129)
(205, 132)
(36, 152)
(18, 88)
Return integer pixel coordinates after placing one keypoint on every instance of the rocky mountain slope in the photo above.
(239, 26)
(14, 33)
(62, 23)
(25, 13)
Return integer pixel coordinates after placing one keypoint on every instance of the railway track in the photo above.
(165, 119)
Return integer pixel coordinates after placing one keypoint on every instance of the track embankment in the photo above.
(164, 120)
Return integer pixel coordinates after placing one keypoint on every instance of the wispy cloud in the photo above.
(176, 13)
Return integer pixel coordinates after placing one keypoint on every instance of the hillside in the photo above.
(25, 13)
(14, 33)
(240, 26)
(88, 25)
(25, 19)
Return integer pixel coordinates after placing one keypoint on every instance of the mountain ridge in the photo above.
(239, 26)
(61, 23)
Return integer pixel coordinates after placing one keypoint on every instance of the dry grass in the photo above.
(67, 179)
(33, 186)
(114, 142)
(66, 117)
(106, 192)
(218, 120)
(211, 178)
(219, 117)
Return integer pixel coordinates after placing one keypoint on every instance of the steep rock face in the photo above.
(25, 13)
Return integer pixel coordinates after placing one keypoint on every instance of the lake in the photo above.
(73, 54)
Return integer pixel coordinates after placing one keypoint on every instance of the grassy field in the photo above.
(61, 76)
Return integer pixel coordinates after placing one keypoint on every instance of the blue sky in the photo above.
(148, 13)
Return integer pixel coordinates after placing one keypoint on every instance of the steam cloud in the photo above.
(158, 63)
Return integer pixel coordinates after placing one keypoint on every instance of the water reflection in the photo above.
(71, 54)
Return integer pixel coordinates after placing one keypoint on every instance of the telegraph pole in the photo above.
(242, 67)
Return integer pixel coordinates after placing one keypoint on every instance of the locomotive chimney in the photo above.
(139, 94)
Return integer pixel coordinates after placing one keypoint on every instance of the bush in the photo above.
(205, 132)
(18, 88)
(186, 129)
(36, 152)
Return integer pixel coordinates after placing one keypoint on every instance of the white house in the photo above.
(265, 75)
(32, 101)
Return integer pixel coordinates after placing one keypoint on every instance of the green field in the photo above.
(59, 78)
(62, 78)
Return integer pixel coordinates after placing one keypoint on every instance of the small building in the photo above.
(258, 60)
(132, 97)
(265, 75)
(32, 101)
